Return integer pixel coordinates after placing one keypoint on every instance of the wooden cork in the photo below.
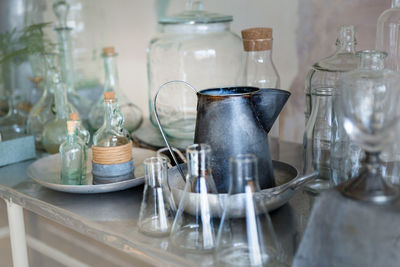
(257, 39)
(109, 50)
(74, 116)
(71, 127)
(112, 155)
(109, 95)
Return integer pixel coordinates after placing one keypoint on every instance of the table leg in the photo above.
(17, 234)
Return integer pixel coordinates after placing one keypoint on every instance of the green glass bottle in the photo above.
(55, 130)
(71, 153)
(83, 138)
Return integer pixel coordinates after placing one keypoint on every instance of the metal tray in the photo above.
(286, 179)
(46, 171)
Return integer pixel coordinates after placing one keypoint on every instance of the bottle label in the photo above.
(112, 155)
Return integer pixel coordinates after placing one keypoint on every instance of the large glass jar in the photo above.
(195, 46)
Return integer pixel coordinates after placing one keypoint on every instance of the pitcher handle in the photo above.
(159, 123)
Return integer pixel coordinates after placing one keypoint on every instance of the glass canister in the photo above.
(195, 46)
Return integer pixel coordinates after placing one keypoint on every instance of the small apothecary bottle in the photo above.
(111, 150)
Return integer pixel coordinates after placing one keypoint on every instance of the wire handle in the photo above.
(159, 123)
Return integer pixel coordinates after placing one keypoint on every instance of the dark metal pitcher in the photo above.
(236, 120)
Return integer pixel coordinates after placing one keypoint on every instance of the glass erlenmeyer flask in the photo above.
(155, 217)
(193, 227)
(248, 241)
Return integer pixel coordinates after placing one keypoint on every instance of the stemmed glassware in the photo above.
(369, 101)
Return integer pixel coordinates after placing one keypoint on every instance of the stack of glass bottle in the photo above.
(326, 145)
(132, 114)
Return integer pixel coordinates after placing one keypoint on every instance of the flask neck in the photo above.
(371, 60)
(395, 4)
(66, 60)
(60, 97)
(199, 161)
(111, 73)
(244, 178)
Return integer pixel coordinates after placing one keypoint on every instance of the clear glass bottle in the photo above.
(317, 139)
(259, 71)
(248, 241)
(131, 113)
(61, 9)
(388, 34)
(326, 72)
(195, 46)
(54, 132)
(108, 135)
(71, 153)
(193, 229)
(83, 138)
(156, 216)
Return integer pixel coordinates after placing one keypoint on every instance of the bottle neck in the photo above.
(371, 60)
(111, 74)
(71, 138)
(345, 47)
(60, 97)
(109, 112)
(395, 3)
(66, 59)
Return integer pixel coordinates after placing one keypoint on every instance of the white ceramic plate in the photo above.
(46, 171)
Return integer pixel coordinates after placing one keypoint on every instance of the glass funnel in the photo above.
(369, 100)
(326, 72)
(195, 46)
(156, 216)
(248, 241)
(194, 229)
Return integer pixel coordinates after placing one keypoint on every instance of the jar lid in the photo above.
(194, 14)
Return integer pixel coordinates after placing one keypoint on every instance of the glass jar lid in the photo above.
(194, 14)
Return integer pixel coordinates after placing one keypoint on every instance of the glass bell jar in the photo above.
(195, 46)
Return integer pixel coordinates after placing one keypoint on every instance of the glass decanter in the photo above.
(54, 131)
(327, 71)
(43, 110)
(156, 216)
(193, 227)
(83, 137)
(259, 71)
(109, 135)
(131, 113)
(71, 154)
(251, 240)
(369, 100)
(61, 9)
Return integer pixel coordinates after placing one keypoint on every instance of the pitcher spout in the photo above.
(268, 104)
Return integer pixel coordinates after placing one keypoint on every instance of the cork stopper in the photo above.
(71, 127)
(257, 39)
(74, 116)
(109, 95)
(37, 80)
(109, 50)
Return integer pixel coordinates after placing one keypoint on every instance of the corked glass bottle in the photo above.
(71, 153)
(132, 114)
(259, 71)
(111, 150)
